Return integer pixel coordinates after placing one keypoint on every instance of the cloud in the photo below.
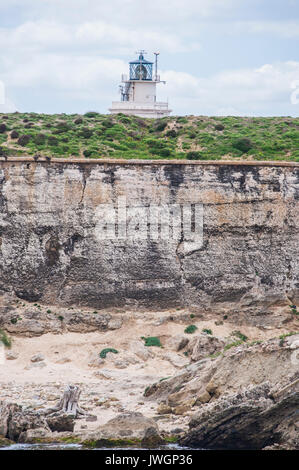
(125, 11)
(239, 92)
(108, 38)
(282, 28)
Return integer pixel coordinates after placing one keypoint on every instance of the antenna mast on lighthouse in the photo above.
(156, 66)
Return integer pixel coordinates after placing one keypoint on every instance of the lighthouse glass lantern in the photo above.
(141, 69)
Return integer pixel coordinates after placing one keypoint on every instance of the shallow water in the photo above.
(61, 446)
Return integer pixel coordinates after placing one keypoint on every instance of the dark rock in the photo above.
(152, 438)
(61, 422)
(248, 420)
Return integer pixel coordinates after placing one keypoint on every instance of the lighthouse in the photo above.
(138, 92)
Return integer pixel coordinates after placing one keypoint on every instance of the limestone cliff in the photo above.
(248, 261)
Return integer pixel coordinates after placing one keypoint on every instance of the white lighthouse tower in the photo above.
(138, 93)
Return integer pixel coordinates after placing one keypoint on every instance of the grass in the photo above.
(240, 335)
(190, 329)
(95, 135)
(152, 341)
(105, 351)
(284, 336)
(233, 345)
(4, 339)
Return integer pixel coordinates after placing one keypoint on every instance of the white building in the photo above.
(138, 93)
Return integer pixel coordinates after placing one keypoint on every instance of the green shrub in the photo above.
(40, 139)
(193, 155)
(171, 133)
(86, 132)
(207, 331)
(14, 134)
(91, 114)
(105, 351)
(5, 339)
(107, 123)
(244, 144)
(61, 127)
(3, 151)
(87, 153)
(294, 309)
(151, 341)
(23, 140)
(160, 126)
(190, 329)
(52, 140)
(79, 120)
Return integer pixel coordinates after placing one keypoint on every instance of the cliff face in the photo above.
(51, 251)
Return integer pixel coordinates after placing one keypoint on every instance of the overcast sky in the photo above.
(218, 57)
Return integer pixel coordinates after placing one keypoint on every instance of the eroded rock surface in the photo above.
(247, 265)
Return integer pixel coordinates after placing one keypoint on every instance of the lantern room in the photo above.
(141, 69)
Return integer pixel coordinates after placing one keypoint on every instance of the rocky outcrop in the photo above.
(34, 322)
(16, 421)
(238, 367)
(248, 420)
(23, 425)
(245, 267)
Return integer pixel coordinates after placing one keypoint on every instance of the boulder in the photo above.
(164, 409)
(204, 397)
(61, 422)
(141, 351)
(178, 342)
(184, 408)
(38, 357)
(151, 438)
(205, 346)
(129, 425)
(11, 356)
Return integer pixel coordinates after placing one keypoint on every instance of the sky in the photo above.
(218, 57)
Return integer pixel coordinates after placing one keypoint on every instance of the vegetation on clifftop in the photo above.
(96, 135)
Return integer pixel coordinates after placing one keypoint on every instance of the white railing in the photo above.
(129, 105)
